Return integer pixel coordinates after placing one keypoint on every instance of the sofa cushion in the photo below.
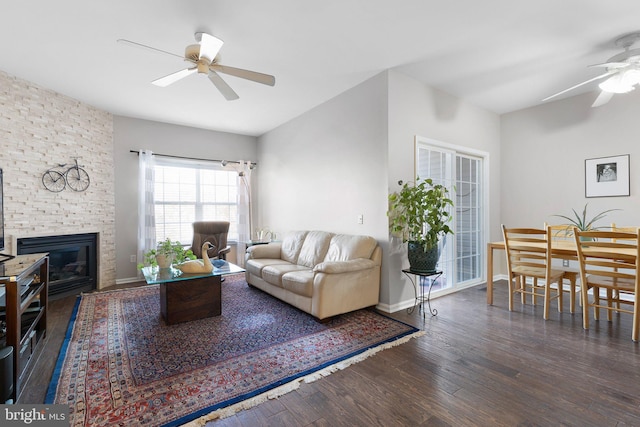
(291, 245)
(344, 247)
(299, 282)
(255, 266)
(314, 248)
(273, 273)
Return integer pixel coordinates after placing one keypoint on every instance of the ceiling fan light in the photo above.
(616, 84)
(631, 77)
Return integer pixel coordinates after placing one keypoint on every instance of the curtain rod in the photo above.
(252, 164)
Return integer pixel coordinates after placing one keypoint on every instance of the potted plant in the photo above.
(419, 214)
(166, 254)
(581, 222)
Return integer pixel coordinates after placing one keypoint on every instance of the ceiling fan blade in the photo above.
(265, 79)
(602, 99)
(209, 46)
(152, 49)
(222, 86)
(601, 76)
(616, 65)
(174, 77)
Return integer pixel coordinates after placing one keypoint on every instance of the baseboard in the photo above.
(403, 305)
(128, 280)
(386, 308)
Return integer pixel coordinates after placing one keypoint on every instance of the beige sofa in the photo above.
(321, 273)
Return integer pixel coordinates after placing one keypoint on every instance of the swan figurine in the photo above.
(198, 265)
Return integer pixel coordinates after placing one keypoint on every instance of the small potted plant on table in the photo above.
(581, 222)
(166, 254)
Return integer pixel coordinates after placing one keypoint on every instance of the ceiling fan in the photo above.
(204, 58)
(622, 70)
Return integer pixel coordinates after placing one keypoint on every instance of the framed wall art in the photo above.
(607, 176)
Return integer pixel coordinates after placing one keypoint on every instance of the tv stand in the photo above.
(24, 284)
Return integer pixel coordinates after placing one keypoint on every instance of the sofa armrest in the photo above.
(332, 267)
(270, 250)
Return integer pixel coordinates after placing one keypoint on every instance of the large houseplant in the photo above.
(419, 214)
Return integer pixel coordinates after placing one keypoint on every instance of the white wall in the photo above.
(326, 167)
(543, 155)
(417, 109)
(341, 159)
(134, 134)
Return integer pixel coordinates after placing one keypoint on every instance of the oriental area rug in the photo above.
(120, 364)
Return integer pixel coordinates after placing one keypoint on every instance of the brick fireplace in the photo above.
(41, 129)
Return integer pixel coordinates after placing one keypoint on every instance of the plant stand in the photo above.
(420, 296)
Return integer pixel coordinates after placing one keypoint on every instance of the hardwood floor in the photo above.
(476, 365)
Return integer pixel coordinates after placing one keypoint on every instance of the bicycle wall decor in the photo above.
(58, 178)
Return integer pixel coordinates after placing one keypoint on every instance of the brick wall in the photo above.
(40, 128)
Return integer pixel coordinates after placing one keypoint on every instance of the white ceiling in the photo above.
(502, 55)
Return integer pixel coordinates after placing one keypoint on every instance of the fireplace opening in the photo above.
(72, 261)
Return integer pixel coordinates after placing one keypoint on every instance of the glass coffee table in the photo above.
(189, 296)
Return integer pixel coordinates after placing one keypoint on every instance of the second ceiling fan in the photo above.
(622, 70)
(205, 59)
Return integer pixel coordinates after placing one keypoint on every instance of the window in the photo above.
(462, 171)
(186, 192)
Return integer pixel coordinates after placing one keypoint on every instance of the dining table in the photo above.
(559, 249)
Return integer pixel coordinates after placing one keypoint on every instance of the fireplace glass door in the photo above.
(72, 261)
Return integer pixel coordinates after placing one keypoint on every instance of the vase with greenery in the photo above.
(166, 254)
(582, 222)
(419, 214)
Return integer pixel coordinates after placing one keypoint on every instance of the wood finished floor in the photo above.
(476, 365)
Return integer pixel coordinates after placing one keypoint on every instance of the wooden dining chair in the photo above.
(529, 257)
(630, 229)
(609, 261)
(564, 232)
(624, 229)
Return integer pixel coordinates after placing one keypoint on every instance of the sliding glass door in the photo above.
(462, 172)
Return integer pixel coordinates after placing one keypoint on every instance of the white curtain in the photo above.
(146, 209)
(244, 209)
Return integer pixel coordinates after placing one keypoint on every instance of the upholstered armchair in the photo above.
(214, 232)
